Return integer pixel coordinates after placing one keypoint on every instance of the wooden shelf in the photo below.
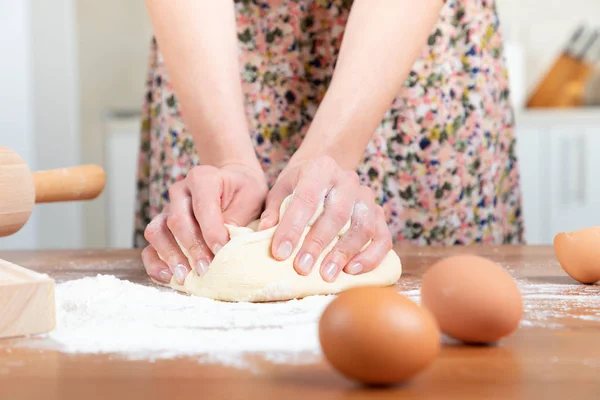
(551, 116)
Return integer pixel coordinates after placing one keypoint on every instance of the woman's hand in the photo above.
(312, 182)
(200, 205)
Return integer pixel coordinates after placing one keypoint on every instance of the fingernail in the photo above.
(165, 275)
(202, 267)
(305, 263)
(355, 268)
(180, 272)
(216, 248)
(329, 272)
(284, 250)
(262, 224)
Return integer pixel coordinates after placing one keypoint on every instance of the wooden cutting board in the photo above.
(26, 301)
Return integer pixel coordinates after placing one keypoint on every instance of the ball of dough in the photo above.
(244, 270)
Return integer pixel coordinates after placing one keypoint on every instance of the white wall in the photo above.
(39, 109)
(113, 42)
(543, 27)
(56, 114)
(16, 102)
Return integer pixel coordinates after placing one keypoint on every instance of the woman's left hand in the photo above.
(312, 182)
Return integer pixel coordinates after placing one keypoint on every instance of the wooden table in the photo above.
(555, 356)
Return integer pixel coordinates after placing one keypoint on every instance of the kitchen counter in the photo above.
(554, 354)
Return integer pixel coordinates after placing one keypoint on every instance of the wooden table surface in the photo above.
(554, 354)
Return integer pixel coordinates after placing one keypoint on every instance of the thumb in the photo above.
(239, 212)
(270, 217)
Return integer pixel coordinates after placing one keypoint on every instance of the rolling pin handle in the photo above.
(85, 182)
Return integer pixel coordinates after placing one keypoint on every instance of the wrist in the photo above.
(240, 157)
(226, 147)
(341, 129)
(342, 145)
(309, 152)
(252, 170)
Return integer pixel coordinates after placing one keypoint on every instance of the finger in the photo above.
(206, 186)
(270, 216)
(352, 176)
(155, 267)
(337, 213)
(158, 235)
(184, 227)
(243, 210)
(370, 258)
(314, 182)
(362, 229)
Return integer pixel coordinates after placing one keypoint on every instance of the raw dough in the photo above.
(244, 270)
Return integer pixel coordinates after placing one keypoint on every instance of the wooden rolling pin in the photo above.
(20, 189)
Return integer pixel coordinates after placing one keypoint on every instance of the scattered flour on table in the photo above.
(103, 314)
(559, 302)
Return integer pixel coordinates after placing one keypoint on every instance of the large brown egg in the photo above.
(473, 299)
(377, 336)
(579, 254)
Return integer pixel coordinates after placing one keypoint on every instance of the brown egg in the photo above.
(473, 299)
(377, 336)
(579, 254)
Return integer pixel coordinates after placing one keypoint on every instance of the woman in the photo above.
(413, 101)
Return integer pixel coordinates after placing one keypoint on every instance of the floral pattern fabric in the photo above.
(441, 163)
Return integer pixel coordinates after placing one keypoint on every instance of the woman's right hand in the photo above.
(200, 205)
(321, 180)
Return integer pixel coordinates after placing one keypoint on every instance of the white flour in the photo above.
(561, 302)
(103, 314)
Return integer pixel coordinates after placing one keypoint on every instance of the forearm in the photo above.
(197, 39)
(380, 44)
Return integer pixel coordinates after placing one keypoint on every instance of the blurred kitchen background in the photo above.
(71, 87)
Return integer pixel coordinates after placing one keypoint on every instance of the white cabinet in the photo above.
(559, 153)
(122, 133)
